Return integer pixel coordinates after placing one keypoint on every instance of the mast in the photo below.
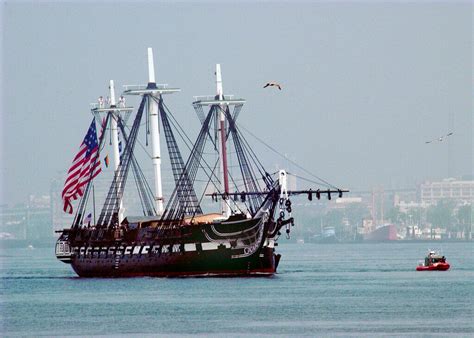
(373, 209)
(155, 134)
(381, 205)
(115, 140)
(224, 175)
(220, 108)
(154, 93)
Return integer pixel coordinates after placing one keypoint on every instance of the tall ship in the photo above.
(377, 229)
(382, 232)
(174, 236)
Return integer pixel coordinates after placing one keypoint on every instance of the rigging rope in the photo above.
(303, 178)
(286, 158)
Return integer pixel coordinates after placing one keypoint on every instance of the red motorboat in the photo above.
(433, 262)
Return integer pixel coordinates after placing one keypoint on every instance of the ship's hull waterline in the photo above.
(212, 263)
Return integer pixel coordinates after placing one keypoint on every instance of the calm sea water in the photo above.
(320, 290)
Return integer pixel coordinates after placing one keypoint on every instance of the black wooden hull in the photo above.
(242, 247)
(212, 263)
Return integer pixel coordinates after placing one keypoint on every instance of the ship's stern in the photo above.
(63, 248)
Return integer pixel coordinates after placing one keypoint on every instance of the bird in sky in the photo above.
(441, 138)
(272, 84)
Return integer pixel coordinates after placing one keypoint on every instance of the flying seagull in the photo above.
(441, 138)
(272, 84)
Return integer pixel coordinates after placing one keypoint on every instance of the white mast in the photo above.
(114, 127)
(222, 144)
(219, 90)
(155, 91)
(155, 134)
(115, 140)
(151, 67)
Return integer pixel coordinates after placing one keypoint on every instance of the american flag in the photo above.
(88, 219)
(85, 166)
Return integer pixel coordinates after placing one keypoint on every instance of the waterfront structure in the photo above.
(461, 191)
(26, 222)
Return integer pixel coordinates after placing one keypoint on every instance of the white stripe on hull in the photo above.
(139, 250)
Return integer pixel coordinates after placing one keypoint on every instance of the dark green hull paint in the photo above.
(240, 247)
(215, 262)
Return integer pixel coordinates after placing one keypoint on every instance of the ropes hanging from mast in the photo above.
(109, 213)
(185, 190)
(144, 191)
(183, 200)
(321, 181)
(173, 209)
(246, 170)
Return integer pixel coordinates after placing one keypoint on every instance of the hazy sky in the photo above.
(364, 84)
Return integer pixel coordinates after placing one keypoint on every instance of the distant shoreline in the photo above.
(379, 242)
(50, 243)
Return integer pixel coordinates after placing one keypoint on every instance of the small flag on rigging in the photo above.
(85, 166)
(88, 219)
(106, 160)
(103, 126)
(120, 146)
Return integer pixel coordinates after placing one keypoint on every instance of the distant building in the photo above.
(30, 221)
(348, 200)
(59, 219)
(447, 189)
(405, 207)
